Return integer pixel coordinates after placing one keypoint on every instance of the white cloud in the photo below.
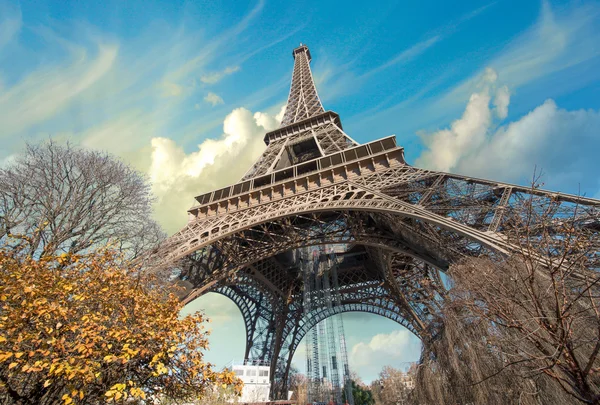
(562, 143)
(281, 113)
(269, 121)
(501, 101)
(126, 135)
(554, 56)
(213, 99)
(178, 176)
(130, 98)
(554, 44)
(212, 78)
(466, 134)
(393, 349)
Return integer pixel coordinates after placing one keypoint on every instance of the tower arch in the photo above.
(314, 185)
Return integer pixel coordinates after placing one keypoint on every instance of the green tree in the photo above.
(362, 395)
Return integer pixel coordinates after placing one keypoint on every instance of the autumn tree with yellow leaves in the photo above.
(84, 329)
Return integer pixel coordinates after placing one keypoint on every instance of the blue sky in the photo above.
(184, 91)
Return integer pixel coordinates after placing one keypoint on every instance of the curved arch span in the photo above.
(248, 256)
(203, 233)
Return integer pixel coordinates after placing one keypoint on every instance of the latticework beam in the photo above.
(398, 226)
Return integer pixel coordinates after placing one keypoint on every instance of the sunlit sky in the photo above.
(185, 91)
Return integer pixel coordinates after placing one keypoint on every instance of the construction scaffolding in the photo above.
(326, 354)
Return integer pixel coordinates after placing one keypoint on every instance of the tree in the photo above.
(279, 390)
(299, 386)
(524, 327)
(85, 329)
(361, 394)
(216, 394)
(460, 364)
(547, 313)
(392, 387)
(69, 200)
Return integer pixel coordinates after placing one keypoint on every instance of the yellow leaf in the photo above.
(47, 383)
(118, 395)
(2, 339)
(12, 365)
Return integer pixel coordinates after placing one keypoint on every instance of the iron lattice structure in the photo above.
(314, 185)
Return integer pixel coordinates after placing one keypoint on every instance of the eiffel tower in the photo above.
(395, 228)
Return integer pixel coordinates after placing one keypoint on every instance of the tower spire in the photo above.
(307, 131)
(303, 101)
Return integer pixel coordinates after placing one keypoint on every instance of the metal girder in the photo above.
(314, 185)
(303, 101)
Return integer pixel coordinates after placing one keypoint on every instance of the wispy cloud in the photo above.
(340, 79)
(405, 56)
(214, 77)
(544, 54)
(10, 23)
(555, 43)
(48, 90)
(171, 89)
(213, 99)
(136, 98)
(204, 56)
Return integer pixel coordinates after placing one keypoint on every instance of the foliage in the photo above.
(362, 395)
(216, 394)
(86, 329)
(70, 200)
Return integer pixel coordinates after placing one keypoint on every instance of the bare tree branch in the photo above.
(66, 199)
